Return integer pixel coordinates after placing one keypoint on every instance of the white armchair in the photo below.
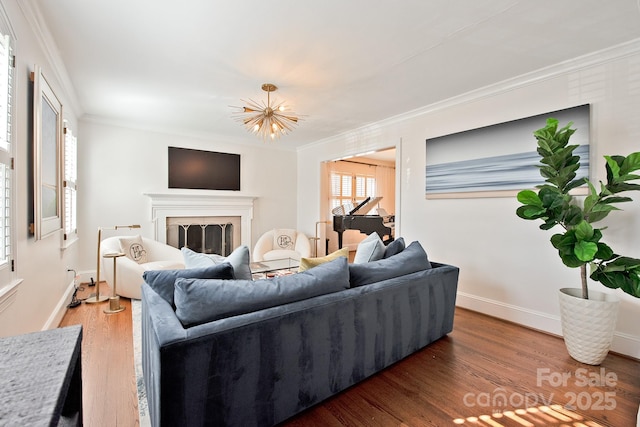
(129, 282)
(267, 249)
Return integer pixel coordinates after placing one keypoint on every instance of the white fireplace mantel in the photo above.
(164, 205)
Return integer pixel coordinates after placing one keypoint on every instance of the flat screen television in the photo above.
(203, 170)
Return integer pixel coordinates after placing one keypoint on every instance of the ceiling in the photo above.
(178, 67)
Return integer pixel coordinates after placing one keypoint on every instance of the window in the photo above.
(365, 186)
(70, 178)
(340, 189)
(350, 189)
(6, 163)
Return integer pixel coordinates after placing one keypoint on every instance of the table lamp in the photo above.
(97, 297)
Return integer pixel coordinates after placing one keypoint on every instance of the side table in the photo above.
(114, 300)
(41, 378)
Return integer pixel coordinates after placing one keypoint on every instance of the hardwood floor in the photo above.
(487, 373)
(108, 379)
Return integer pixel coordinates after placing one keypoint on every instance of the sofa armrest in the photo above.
(159, 327)
(129, 275)
(163, 323)
(127, 270)
(158, 251)
(303, 246)
(263, 245)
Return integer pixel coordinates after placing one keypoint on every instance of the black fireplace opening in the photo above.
(206, 238)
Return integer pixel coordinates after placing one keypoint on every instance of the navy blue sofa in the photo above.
(262, 367)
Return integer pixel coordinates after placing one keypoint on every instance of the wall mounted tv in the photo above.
(204, 170)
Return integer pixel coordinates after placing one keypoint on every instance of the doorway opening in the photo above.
(348, 182)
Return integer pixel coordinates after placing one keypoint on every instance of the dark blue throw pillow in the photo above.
(394, 248)
(163, 281)
(412, 259)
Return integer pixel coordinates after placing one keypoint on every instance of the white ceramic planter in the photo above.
(588, 325)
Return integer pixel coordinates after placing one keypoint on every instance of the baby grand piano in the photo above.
(347, 217)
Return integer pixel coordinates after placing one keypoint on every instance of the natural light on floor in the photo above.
(530, 417)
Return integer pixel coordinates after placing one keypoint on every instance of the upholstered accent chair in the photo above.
(157, 256)
(281, 243)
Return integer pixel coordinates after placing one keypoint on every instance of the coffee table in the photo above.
(274, 265)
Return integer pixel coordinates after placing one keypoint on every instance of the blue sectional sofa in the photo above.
(259, 365)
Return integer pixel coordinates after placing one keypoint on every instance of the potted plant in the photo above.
(580, 243)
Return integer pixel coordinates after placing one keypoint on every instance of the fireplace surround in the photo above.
(202, 209)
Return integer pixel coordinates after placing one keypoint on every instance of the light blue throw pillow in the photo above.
(370, 249)
(239, 259)
(204, 300)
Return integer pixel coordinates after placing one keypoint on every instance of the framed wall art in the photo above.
(498, 160)
(47, 151)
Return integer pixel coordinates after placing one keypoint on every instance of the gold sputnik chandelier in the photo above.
(270, 120)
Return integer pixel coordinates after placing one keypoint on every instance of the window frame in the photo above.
(47, 172)
(69, 187)
(8, 272)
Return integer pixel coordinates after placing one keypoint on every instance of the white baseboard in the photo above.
(522, 316)
(8, 294)
(61, 308)
(628, 345)
(86, 276)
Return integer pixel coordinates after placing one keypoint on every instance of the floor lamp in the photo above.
(97, 297)
(317, 237)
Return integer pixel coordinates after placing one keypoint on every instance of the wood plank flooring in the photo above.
(487, 373)
(108, 378)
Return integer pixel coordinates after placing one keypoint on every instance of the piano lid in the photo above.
(362, 209)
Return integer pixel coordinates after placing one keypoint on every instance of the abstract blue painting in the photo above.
(497, 160)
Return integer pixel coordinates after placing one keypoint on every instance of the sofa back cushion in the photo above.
(410, 260)
(163, 281)
(239, 259)
(204, 300)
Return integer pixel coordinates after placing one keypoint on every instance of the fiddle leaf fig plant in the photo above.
(580, 243)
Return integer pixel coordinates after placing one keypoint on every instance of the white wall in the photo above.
(508, 268)
(41, 265)
(119, 165)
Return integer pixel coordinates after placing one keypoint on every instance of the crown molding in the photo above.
(181, 133)
(47, 44)
(5, 23)
(600, 57)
